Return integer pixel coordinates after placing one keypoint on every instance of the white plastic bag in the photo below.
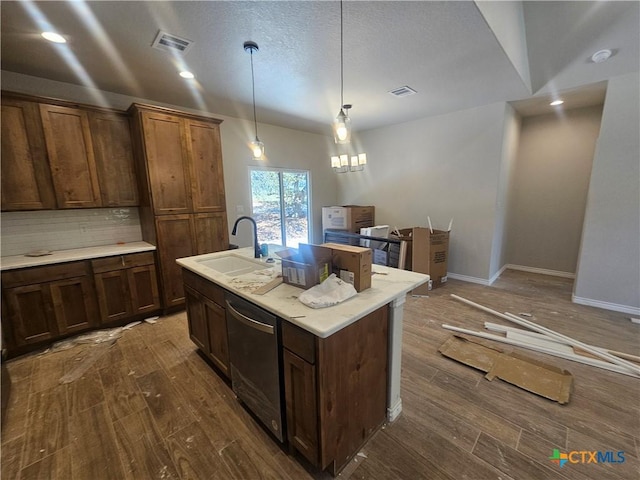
(330, 292)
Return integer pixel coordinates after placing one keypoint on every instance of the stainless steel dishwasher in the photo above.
(255, 358)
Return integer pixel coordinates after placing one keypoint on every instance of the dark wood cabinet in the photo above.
(26, 178)
(126, 286)
(166, 163)
(175, 239)
(113, 153)
(207, 319)
(71, 158)
(301, 407)
(45, 303)
(205, 163)
(335, 388)
(211, 232)
(57, 154)
(183, 210)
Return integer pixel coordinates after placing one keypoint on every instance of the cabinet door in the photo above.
(143, 285)
(212, 234)
(74, 304)
(205, 160)
(114, 297)
(218, 339)
(198, 330)
(71, 158)
(166, 163)
(301, 405)
(175, 239)
(113, 151)
(31, 318)
(25, 175)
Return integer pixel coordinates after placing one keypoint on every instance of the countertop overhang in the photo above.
(387, 284)
(72, 255)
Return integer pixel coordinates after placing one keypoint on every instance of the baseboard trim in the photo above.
(616, 307)
(466, 278)
(541, 271)
(394, 411)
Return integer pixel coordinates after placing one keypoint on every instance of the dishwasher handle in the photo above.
(250, 322)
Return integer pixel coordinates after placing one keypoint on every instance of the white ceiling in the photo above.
(456, 55)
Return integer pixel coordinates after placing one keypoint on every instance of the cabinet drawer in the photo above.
(49, 273)
(120, 262)
(299, 341)
(205, 287)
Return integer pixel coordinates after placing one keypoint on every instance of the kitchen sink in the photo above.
(233, 265)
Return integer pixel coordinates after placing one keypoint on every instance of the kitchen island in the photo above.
(341, 364)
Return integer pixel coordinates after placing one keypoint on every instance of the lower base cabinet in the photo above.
(207, 319)
(335, 389)
(46, 303)
(126, 285)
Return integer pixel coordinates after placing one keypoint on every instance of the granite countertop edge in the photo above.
(387, 284)
(61, 256)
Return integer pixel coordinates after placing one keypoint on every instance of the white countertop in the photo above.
(61, 256)
(387, 284)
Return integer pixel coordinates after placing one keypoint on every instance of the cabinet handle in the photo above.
(122, 259)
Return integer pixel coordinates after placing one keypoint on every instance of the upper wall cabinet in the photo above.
(111, 137)
(70, 149)
(182, 158)
(26, 178)
(59, 155)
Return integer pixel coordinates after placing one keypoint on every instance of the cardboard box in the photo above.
(351, 264)
(427, 253)
(307, 266)
(348, 217)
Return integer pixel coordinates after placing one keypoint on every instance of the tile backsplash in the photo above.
(23, 232)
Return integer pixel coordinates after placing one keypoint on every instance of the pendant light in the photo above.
(257, 147)
(342, 122)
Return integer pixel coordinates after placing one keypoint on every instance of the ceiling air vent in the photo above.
(402, 91)
(171, 43)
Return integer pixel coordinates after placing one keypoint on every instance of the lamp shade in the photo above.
(257, 148)
(342, 128)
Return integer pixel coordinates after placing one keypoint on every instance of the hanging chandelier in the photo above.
(257, 147)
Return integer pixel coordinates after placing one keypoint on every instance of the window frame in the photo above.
(280, 171)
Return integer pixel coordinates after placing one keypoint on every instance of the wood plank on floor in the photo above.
(56, 466)
(48, 424)
(142, 448)
(165, 402)
(94, 449)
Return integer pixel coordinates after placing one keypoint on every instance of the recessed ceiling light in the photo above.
(186, 74)
(555, 103)
(54, 37)
(601, 56)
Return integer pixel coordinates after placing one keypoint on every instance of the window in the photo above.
(280, 205)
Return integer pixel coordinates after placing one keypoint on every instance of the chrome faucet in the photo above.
(256, 246)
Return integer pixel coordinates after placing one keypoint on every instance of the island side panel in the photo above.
(352, 387)
(394, 402)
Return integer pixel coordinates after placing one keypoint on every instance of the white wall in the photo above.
(285, 148)
(608, 272)
(550, 183)
(504, 198)
(445, 166)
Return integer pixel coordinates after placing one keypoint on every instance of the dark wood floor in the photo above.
(150, 407)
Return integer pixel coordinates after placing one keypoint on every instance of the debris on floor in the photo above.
(529, 374)
(553, 343)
